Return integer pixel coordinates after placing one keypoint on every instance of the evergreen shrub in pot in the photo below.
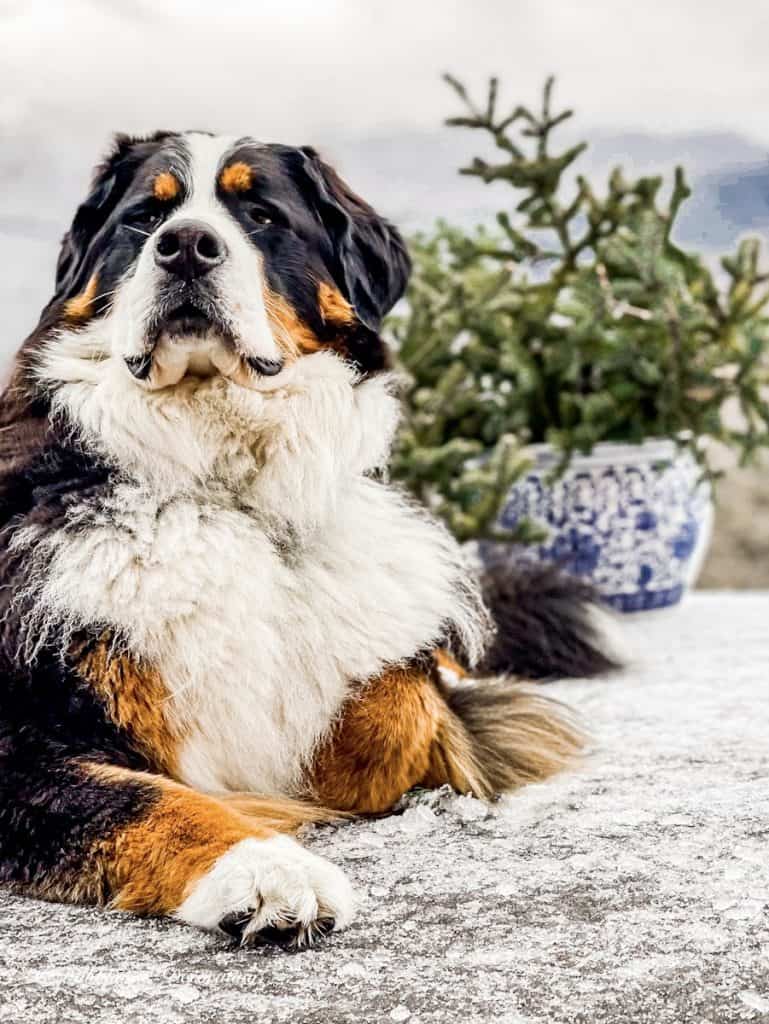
(569, 370)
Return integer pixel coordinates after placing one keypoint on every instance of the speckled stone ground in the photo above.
(636, 889)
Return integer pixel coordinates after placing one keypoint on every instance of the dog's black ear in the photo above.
(372, 262)
(109, 183)
(90, 217)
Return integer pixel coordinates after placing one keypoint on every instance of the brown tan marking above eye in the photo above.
(334, 307)
(166, 186)
(236, 177)
(80, 307)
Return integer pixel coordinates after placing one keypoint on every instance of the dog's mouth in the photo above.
(187, 315)
(188, 337)
(187, 320)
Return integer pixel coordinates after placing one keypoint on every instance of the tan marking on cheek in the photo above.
(292, 336)
(80, 307)
(166, 186)
(334, 307)
(135, 699)
(237, 177)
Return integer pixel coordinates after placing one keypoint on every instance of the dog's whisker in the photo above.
(138, 231)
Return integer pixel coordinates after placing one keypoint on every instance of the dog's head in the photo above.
(201, 255)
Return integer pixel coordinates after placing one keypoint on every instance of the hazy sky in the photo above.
(303, 69)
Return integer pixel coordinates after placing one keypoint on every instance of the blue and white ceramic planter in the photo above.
(635, 519)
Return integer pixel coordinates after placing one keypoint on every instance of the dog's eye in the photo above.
(146, 218)
(259, 216)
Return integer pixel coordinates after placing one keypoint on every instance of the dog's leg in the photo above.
(382, 744)
(75, 830)
(407, 728)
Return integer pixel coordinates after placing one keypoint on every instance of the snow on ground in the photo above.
(635, 889)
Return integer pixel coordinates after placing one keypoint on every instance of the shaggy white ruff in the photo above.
(248, 555)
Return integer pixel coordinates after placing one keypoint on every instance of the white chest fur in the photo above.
(265, 590)
(259, 645)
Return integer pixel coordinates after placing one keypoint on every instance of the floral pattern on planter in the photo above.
(634, 519)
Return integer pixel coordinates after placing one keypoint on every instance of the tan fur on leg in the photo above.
(382, 744)
(406, 728)
(150, 866)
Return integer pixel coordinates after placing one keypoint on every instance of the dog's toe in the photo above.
(271, 891)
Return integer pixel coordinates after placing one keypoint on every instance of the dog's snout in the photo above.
(189, 249)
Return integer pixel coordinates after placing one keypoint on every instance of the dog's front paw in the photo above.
(270, 890)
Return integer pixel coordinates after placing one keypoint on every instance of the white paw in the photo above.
(270, 890)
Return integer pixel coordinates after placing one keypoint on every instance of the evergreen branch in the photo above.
(611, 332)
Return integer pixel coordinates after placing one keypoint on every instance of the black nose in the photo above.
(189, 249)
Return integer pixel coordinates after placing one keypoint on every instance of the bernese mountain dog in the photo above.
(218, 621)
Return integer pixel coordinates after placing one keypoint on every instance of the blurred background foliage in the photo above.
(575, 320)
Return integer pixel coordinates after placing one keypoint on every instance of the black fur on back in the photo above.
(545, 628)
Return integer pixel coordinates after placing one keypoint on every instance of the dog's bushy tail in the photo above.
(497, 735)
(549, 624)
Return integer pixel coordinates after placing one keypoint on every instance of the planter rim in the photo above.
(611, 452)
